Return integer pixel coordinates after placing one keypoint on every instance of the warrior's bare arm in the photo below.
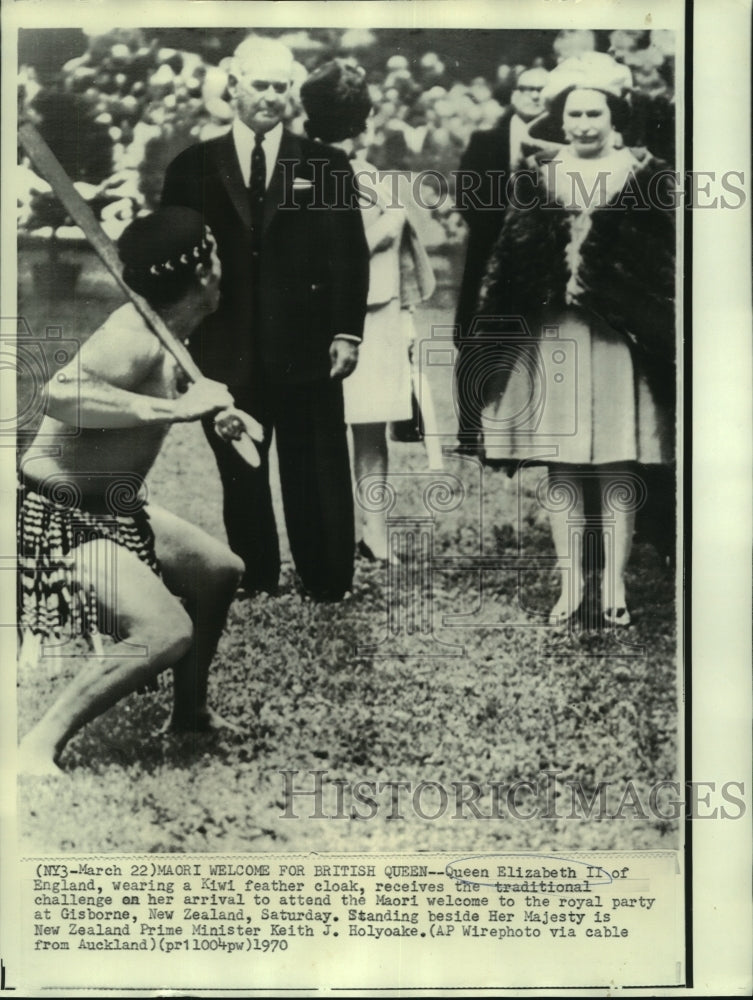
(86, 400)
(100, 387)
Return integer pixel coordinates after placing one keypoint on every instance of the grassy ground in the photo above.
(513, 699)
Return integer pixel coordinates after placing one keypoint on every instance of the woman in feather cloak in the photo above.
(586, 261)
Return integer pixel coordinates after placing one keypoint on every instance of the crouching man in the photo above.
(95, 557)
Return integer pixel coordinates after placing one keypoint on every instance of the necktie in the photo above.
(258, 184)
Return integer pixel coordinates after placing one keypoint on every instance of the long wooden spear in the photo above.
(232, 425)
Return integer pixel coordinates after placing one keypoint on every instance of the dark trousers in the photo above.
(312, 449)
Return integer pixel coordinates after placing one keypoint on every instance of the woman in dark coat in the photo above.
(586, 258)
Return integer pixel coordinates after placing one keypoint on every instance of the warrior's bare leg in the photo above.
(205, 574)
(153, 632)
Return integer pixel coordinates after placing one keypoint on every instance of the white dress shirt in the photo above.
(243, 137)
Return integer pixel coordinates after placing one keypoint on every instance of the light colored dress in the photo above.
(379, 390)
(572, 392)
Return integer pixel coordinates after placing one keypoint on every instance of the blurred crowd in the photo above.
(118, 114)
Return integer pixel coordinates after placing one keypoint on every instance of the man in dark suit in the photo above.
(480, 198)
(295, 271)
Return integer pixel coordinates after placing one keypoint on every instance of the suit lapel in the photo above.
(280, 190)
(232, 178)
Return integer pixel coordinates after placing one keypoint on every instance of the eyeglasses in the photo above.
(279, 86)
(529, 90)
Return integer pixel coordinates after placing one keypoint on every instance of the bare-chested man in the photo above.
(94, 557)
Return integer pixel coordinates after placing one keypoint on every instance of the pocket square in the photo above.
(301, 184)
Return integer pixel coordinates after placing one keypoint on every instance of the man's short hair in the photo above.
(521, 71)
(256, 47)
(160, 253)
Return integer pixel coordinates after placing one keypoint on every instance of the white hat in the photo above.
(590, 71)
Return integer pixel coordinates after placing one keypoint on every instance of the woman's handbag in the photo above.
(409, 430)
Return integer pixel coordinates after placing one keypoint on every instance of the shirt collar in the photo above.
(243, 137)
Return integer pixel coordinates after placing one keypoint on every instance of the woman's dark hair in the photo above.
(618, 108)
(336, 100)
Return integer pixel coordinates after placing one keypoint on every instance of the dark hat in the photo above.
(337, 101)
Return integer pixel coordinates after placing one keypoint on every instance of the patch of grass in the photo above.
(513, 700)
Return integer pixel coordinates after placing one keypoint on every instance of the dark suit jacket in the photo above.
(487, 150)
(279, 312)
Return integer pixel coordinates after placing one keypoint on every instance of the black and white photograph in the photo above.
(353, 475)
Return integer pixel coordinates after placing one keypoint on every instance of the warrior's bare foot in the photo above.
(37, 761)
(205, 721)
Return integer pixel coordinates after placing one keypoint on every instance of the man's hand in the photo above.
(344, 357)
(202, 398)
